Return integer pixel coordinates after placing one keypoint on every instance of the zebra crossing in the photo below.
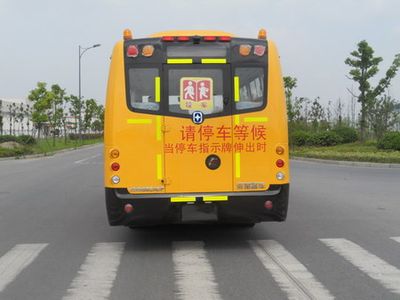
(193, 271)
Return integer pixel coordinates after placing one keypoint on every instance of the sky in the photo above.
(40, 39)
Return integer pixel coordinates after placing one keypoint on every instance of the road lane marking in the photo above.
(372, 265)
(194, 276)
(396, 238)
(17, 259)
(97, 274)
(86, 159)
(290, 274)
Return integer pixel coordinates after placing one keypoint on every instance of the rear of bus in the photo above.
(195, 130)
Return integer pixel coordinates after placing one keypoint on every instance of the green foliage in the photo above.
(299, 138)
(85, 136)
(390, 141)
(347, 134)
(326, 138)
(26, 140)
(8, 138)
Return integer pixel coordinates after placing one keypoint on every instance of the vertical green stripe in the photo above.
(157, 88)
(237, 85)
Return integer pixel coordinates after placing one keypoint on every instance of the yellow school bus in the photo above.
(195, 130)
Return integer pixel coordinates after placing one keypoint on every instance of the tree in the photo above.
(365, 66)
(90, 112)
(76, 111)
(383, 115)
(55, 98)
(39, 97)
(317, 113)
(290, 83)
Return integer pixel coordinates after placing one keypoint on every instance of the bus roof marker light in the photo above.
(148, 50)
(244, 50)
(127, 34)
(209, 38)
(262, 34)
(168, 38)
(132, 51)
(183, 38)
(225, 38)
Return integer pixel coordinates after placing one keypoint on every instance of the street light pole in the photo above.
(82, 50)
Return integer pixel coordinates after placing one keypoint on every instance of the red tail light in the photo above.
(132, 51)
(268, 205)
(183, 38)
(115, 166)
(128, 208)
(225, 38)
(168, 38)
(210, 38)
(280, 163)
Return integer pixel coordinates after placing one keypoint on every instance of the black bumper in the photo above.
(158, 209)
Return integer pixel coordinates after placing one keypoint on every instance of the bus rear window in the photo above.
(251, 87)
(142, 88)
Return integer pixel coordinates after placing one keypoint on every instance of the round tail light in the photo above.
(128, 208)
(115, 166)
(280, 163)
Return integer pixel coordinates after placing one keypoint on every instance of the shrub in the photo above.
(26, 140)
(348, 134)
(390, 141)
(85, 136)
(299, 138)
(8, 138)
(326, 138)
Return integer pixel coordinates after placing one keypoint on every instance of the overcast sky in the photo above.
(39, 39)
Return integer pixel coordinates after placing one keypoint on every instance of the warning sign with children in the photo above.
(196, 93)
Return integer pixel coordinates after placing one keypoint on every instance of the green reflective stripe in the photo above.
(237, 85)
(157, 88)
(183, 199)
(213, 60)
(215, 198)
(139, 121)
(256, 120)
(179, 61)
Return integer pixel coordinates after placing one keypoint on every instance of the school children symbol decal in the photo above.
(196, 93)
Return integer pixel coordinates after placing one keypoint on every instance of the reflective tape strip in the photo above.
(256, 120)
(237, 165)
(213, 60)
(236, 83)
(159, 167)
(237, 119)
(139, 121)
(179, 61)
(158, 128)
(215, 198)
(183, 199)
(157, 88)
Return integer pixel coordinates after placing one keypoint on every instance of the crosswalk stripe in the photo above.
(97, 274)
(14, 261)
(194, 276)
(291, 275)
(372, 265)
(396, 238)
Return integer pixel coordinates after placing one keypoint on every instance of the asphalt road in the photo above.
(341, 240)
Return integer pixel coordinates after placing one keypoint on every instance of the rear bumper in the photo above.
(151, 209)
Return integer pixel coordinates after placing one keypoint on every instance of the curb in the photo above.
(48, 154)
(347, 163)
